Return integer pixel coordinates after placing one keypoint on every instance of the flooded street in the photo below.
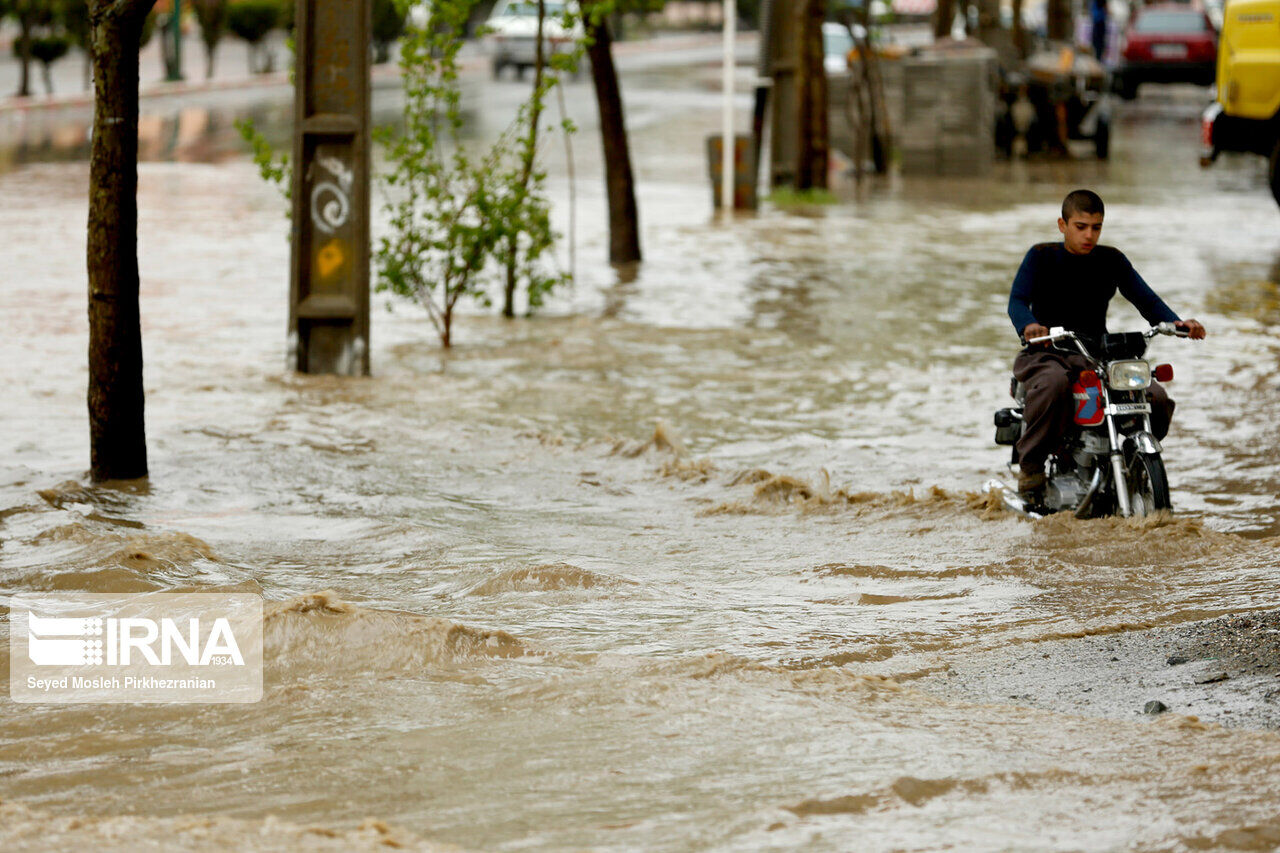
(666, 566)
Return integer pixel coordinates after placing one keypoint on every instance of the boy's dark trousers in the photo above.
(1049, 409)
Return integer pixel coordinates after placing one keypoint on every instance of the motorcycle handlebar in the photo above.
(1060, 334)
(1166, 329)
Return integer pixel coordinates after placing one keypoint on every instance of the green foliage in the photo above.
(789, 197)
(388, 25)
(74, 16)
(455, 214)
(251, 20)
(50, 48)
(212, 16)
(47, 29)
(274, 170)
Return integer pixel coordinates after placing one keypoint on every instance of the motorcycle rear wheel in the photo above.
(1148, 484)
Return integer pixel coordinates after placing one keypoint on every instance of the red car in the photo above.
(1167, 43)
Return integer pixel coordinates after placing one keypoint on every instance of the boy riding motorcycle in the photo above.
(1070, 284)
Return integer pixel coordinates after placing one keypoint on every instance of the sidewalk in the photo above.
(231, 69)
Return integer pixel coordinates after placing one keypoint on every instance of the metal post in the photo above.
(175, 26)
(728, 138)
(329, 276)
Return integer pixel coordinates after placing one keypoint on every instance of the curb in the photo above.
(389, 71)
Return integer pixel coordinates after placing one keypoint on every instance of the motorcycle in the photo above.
(1109, 461)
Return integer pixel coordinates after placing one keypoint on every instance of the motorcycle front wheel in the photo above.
(1148, 485)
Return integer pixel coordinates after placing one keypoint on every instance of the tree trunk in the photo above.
(24, 53)
(943, 17)
(814, 142)
(208, 62)
(529, 156)
(1019, 32)
(118, 448)
(624, 219)
(988, 18)
(1058, 24)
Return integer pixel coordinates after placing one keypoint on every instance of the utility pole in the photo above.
(329, 270)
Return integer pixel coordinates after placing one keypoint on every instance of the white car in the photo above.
(513, 33)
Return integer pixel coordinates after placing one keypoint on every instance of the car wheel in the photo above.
(1126, 87)
(1273, 173)
(519, 71)
(497, 68)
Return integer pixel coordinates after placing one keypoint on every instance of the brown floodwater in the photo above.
(657, 568)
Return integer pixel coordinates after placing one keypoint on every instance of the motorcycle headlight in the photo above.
(1129, 375)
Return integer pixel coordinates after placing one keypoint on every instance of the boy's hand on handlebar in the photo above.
(1035, 330)
(1194, 330)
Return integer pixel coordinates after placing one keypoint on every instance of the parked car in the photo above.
(1167, 43)
(837, 44)
(513, 33)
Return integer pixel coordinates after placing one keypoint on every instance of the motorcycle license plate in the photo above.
(1130, 409)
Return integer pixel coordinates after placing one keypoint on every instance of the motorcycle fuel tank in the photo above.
(1089, 406)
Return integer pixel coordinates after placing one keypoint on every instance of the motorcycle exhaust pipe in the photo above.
(1085, 501)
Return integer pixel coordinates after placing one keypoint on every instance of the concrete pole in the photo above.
(729, 139)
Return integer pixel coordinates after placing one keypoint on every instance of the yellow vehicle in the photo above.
(1246, 114)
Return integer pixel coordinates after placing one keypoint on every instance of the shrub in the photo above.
(251, 20)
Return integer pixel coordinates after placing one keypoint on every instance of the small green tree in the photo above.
(48, 48)
(388, 25)
(453, 211)
(524, 210)
(27, 14)
(252, 20)
(212, 15)
(74, 15)
(442, 224)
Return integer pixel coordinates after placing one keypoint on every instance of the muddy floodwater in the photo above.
(667, 566)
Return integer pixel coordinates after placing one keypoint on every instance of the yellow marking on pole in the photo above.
(330, 258)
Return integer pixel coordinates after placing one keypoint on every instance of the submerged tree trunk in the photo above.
(118, 448)
(26, 20)
(814, 142)
(528, 156)
(624, 218)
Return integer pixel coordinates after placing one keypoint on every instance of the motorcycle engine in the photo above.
(1065, 491)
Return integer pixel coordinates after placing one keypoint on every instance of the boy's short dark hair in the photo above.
(1082, 201)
